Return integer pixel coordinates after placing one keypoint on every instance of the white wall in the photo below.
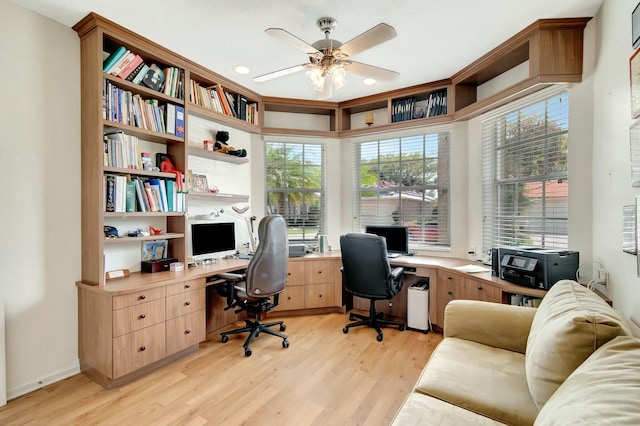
(611, 167)
(40, 193)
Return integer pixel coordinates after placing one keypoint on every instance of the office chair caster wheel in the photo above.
(283, 327)
(224, 339)
(351, 317)
(247, 351)
(379, 338)
(401, 328)
(285, 343)
(345, 330)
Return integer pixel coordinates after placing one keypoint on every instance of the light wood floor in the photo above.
(325, 377)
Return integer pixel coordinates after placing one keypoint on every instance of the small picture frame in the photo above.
(634, 151)
(634, 75)
(154, 250)
(200, 183)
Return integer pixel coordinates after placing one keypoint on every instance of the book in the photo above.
(128, 57)
(110, 193)
(137, 79)
(130, 66)
(179, 121)
(170, 117)
(108, 64)
(140, 196)
(131, 196)
(154, 79)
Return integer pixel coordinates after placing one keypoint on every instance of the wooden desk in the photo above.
(133, 325)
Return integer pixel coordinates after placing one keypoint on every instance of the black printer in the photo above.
(536, 267)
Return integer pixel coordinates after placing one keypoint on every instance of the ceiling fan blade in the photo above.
(280, 73)
(370, 71)
(291, 40)
(376, 35)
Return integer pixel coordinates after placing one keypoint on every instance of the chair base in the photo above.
(374, 320)
(254, 328)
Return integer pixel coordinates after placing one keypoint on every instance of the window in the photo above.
(525, 177)
(404, 181)
(295, 187)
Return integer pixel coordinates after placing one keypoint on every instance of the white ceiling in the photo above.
(436, 38)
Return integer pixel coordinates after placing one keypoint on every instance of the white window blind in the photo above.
(295, 187)
(525, 176)
(404, 181)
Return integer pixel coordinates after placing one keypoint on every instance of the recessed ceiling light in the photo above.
(241, 69)
(368, 81)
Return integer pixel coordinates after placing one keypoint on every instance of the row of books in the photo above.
(125, 194)
(412, 108)
(122, 150)
(520, 300)
(122, 106)
(130, 66)
(217, 99)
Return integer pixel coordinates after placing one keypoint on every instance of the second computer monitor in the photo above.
(397, 236)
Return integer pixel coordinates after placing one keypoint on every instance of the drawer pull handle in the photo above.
(480, 288)
(449, 278)
(449, 293)
(142, 297)
(187, 332)
(142, 316)
(289, 274)
(187, 286)
(142, 349)
(187, 303)
(319, 272)
(319, 295)
(288, 297)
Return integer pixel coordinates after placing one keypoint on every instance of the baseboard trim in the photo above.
(52, 378)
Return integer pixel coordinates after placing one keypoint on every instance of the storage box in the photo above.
(157, 265)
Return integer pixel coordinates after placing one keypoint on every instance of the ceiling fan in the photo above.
(328, 58)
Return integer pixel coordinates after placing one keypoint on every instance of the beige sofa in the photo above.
(572, 361)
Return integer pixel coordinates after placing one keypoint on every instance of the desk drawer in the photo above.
(185, 331)
(478, 290)
(184, 303)
(291, 298)
(137, 317)
(135, 350)
(319, 271)
(186, 286)
(447, 290)
(295, 272)
(446, 277)
(140, 296)
(318, 296)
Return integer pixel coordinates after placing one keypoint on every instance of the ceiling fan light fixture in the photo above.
(315, 77)
(338, 76)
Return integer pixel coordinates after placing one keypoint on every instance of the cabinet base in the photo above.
(109, 383)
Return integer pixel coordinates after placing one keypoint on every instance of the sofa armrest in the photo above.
(493, 324)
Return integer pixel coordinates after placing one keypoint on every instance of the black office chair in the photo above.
(366, 273)
(257, 289)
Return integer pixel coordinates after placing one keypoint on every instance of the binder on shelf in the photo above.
(179, 121)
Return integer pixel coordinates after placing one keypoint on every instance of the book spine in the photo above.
(111, 193)
(131, 197)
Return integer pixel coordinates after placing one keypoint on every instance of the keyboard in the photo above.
(393, 255)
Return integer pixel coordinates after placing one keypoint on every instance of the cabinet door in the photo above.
(184, 303)
(135, 350)
(291, 298)
(318, 296)
(185, 331)
(295, 272)
(319, 271)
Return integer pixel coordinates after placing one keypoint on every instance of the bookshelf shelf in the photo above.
(212, 155)
(142, 90)
(125, 240)
(143, 214)
(138, 172)
(148, 135)
(208, 114)
(205, 196)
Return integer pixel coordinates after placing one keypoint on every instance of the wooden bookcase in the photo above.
(100, 37)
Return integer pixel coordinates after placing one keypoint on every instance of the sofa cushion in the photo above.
(605, 389)
(419, 409)
(570, 324)
(479, 378)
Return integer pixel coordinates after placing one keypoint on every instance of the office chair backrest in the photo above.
(366, 270)
(267, 270)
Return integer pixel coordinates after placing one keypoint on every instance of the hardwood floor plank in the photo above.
(324, 378)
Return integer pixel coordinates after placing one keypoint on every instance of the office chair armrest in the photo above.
(230, 276)
(397, 272)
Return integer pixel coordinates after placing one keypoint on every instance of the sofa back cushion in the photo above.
(570, 324)
(605, 389)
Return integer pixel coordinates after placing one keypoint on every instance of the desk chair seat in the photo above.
(366, 273)
(257, 290)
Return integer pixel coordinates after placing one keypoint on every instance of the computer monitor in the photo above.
(211, 239)
(397, 236)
